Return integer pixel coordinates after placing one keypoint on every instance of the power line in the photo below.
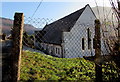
(37, 8)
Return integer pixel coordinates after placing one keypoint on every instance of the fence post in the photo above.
(17, 34)
(98, 65)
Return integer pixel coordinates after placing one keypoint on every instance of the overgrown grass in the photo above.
(36, 66)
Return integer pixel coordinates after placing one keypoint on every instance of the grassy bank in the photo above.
(36, 66)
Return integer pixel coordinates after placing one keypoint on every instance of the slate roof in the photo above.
(53, 32)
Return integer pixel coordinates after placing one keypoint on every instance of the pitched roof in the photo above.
(53, 31)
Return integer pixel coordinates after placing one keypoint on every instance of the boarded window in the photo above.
(83, 44)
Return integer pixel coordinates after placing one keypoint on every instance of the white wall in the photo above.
(51, 49)
(73, 40)
(58, 52)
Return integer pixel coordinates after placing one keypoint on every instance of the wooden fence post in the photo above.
(17, 46)
(98, 65)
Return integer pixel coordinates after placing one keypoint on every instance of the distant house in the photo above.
(69, 37)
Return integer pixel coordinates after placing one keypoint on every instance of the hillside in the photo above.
(7, 24)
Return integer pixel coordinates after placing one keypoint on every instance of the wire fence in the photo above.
(58, 33)
(75, 47)
(69, 49)
(72, 48)
(72, 38)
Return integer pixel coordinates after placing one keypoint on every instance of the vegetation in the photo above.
(28, 40)
(37, 66)
(111, 72)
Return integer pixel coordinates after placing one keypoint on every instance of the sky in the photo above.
(52, 9)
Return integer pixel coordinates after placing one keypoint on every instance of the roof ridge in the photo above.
(54, 30)
(70, 14)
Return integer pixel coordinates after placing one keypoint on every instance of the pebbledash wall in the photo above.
(72, 44)
(52, 49)
(74, 41)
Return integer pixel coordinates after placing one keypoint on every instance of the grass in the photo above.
(36, 66)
